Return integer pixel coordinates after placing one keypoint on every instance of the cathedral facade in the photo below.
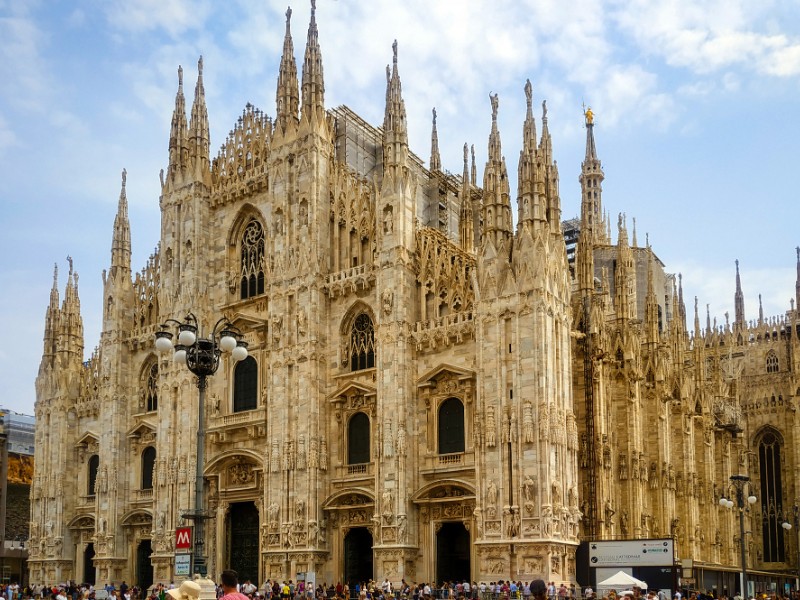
(432, 392)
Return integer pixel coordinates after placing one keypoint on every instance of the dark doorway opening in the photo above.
(452, 553)
(357, 556)
(88, 564)
(242, 541)
(144, 568)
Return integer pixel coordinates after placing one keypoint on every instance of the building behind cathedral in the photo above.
(432, 391)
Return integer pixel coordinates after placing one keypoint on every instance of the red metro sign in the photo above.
(183, 538)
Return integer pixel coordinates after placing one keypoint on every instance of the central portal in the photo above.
(452, 553)
(242, 541)
(357, 556)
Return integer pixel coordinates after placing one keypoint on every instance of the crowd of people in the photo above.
(229, 588)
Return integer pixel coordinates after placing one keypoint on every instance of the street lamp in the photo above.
(787, 526)
(738, 484)
(201, 356)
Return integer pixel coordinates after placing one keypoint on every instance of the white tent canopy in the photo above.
(621, 579)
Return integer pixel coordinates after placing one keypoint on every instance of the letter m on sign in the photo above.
(183, 538)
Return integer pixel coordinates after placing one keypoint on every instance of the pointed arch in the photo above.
(358, 334)
(770, 445)
(148, 382)
(247, 240)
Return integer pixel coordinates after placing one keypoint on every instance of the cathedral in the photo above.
(433, 390)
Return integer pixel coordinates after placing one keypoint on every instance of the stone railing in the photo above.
(348, 281)
(443, 331)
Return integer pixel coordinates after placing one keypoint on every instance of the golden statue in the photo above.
(589, 116)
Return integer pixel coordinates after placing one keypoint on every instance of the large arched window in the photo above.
(93, 466)
(451, 426)
(148, 465)
(772, 362)
(252, 265)
(358, 439)
(151, 388)
(769, 459)
(245, 385)
(362, 343)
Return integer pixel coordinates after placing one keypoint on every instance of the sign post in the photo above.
(183, 551)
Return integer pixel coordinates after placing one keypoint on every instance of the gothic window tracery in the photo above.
(772, 362)
(92, 467)
(362, 343)
(451, 426)
(151, 388)
(769, 455)
(245, 385)
(252, 263)
(148, 465)
(358, 438)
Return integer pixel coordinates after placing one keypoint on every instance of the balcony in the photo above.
(347, 281)
(351, 473)
(443, 331)
(437, 464)
(143, 496)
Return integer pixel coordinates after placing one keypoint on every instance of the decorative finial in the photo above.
(180, 76)
(466, 153)
(434, 115)
(55, 274)
(589, 116)
(528, 92)
(493, 98)
(394, 52)
(124, 176)
(737, 264)
(200, 66)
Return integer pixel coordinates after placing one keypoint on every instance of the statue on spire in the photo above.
(180, 76)
(394, 52)
(544, 109)
(528, 92)
(493, 98)
(589, 116)
(124, 176)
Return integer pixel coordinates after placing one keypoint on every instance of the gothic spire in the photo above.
(51, 322)
(473, 177)
(530, 172)
(395, 131)
(199, 137)
(178, 142)
(696, 324)
(287, 96)
(591, 180)
(738, 300)
(625, 275)
(466, 225)
(71, 335)
(496, 200)
(436, 159)
(313, 81)
(651, 302)
(121, 240)
(546, 143)
(760, 311)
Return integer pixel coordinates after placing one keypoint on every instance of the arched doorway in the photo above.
(144, 568)
(88, 564)
(242, 540)
(357, 555)
(452, 553)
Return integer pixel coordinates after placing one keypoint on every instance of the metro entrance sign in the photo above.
(183, 539)
(632, 553)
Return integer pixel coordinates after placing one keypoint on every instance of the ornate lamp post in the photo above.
(201, 356)
(737, 486)
(787, 526)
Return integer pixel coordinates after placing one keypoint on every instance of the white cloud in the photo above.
(175, 17)
(22, 69)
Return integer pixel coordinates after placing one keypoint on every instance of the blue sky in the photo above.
(695, 102)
